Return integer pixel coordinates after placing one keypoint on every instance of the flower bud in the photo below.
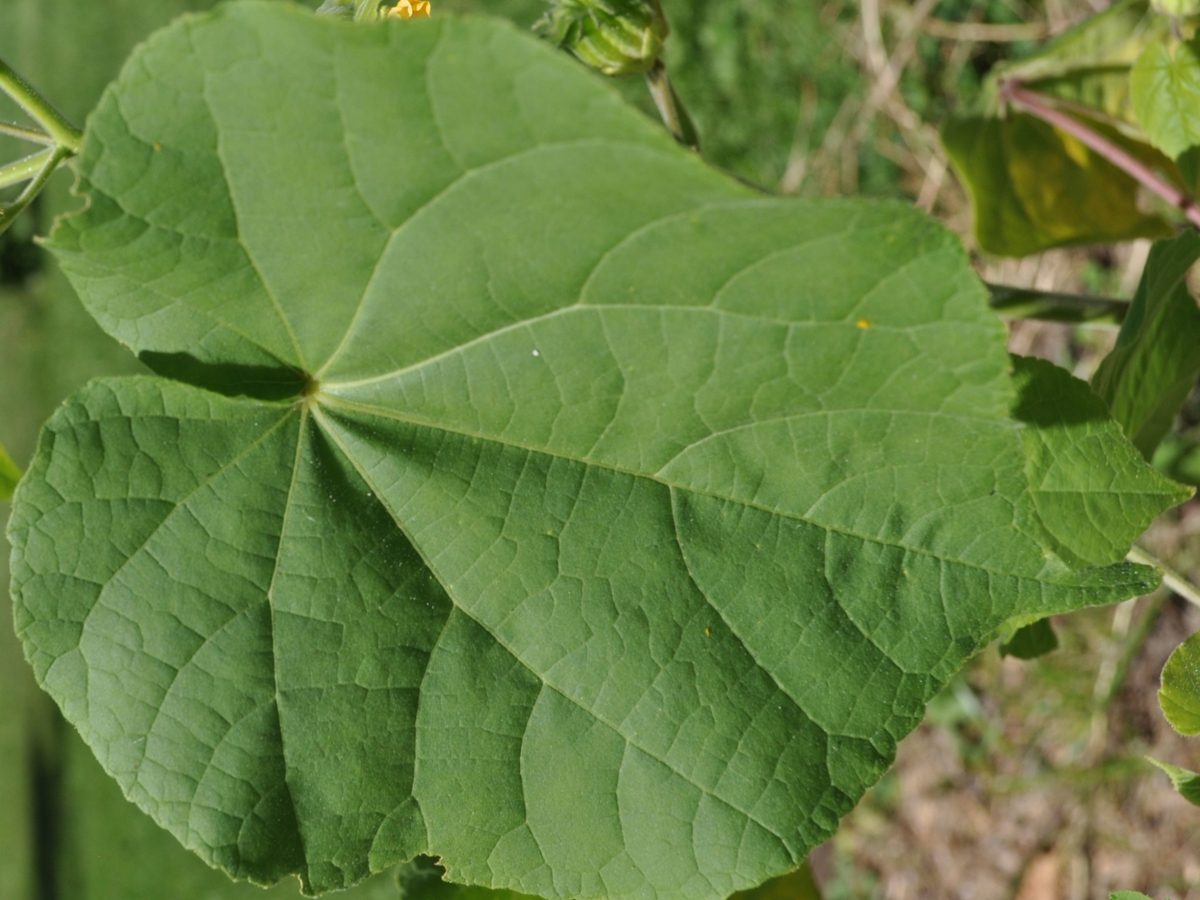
(369, 10)
(409, 9)
(615, 37)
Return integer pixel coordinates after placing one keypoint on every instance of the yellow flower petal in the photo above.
(410, 9)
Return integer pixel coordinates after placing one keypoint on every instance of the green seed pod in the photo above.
(615, 37)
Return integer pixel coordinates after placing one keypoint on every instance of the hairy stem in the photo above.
(24, 169)
(10, 211)
(670, 107)
(64, 133)
(25, 134)
(1036, 105)
(1030, 303)
(1171, 578)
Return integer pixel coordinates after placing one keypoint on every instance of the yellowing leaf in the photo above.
(1033, 187)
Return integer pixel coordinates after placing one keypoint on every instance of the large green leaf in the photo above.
(572, 513)
(1033, 187)
(1154, 365)
(1179, 695)
(1166, 95)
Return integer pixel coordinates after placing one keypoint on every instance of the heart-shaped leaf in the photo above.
(520, 491)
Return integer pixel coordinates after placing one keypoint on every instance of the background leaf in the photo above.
(422, 880)
(1034, 187)
(1031, 641)
(1089, 64)
(1179, 695)
(9, 474)
(502, 580)
(1166, 95)
(799, 885)
(1152, 368)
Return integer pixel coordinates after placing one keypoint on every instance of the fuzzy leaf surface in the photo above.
(514, 488)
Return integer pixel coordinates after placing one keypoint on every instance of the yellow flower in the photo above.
(410, 9)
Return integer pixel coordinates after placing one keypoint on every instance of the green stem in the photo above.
(64, 133)
(670, 107)
(1171, 578)
(26, 134)
(24, 169)
(10, 211)
(1133, 645)
(1028, 303)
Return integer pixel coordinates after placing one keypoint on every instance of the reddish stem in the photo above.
(1034, 104)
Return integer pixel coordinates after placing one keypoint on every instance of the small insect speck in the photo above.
(708, 632)
(863, 323)
(537, 352)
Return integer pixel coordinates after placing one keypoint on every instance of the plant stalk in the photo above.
(26, 134)
(10, 211)
(1030, 303)
(24, 169)
(43, 112)
(1171, 578)
(670, 107)
(1035, 105)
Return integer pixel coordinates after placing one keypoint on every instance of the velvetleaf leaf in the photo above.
(514, 488)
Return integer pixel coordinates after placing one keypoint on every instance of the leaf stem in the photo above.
(1036, 105)
(670, 107)
(1171, 578)
(25, 134)
(1030, 303)
(51, 159)
(56, 124)
(24, 169)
